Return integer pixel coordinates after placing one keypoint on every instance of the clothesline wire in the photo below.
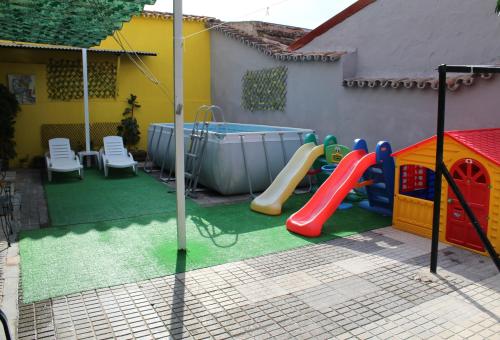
(132, 55)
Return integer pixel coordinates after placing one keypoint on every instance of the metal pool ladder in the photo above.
(197, 146)
(196, 149)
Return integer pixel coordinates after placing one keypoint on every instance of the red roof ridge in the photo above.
(482, 141)
(330, 23)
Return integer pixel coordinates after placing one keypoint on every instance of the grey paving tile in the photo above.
(277, 286)
(332, 294)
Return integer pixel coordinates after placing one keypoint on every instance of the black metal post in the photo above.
(476, 69)
(472, 217)
(5, 324)
(439, 161)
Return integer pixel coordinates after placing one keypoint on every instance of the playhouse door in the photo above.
(473, 180)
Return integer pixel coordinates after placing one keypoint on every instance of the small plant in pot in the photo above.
(9, 107)
(129, 129)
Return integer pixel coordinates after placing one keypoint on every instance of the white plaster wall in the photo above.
(311, 92)
(406, 116)
(316, 99)
(404, 37)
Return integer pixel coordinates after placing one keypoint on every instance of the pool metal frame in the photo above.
(241, 136)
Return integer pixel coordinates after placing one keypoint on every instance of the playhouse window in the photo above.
(416, 181)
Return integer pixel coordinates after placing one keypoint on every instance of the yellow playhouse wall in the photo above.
(412, 214)
(415, 215)
(144, 34)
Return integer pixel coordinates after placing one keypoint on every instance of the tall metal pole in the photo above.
(86, 99)
(439, 169)
(179, 126)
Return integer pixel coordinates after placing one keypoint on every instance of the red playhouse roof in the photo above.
(332, 22)
(485, 142)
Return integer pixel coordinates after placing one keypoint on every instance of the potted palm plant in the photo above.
(129, 129)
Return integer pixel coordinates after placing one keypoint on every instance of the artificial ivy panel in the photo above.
(76, 134)
(265, 90)
(65, 79)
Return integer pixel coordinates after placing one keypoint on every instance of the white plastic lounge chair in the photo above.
(61, 158)
(114, 155)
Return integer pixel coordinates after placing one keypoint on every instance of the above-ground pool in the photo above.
(266, 148)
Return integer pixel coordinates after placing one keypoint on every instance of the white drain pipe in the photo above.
(179, 126)
(86, 99)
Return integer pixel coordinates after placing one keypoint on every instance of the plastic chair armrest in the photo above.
(47, 160)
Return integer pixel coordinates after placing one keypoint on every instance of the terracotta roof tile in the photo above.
(283, 34)
(454, 83)
(170, 16)
(269, 44)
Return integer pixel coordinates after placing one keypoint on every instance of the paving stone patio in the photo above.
(370, 285)
(30, 212)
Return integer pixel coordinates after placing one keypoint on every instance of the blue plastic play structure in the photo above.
(381, 191)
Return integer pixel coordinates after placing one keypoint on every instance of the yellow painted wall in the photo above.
(415, 215)
(144, 34)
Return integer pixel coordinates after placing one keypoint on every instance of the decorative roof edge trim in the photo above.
(274, 49)
(72, 49)
(330, 23)
(453, 83)
(451, 134)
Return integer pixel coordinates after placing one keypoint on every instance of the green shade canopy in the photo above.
(81, 23)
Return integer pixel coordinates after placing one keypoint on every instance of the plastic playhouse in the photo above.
(473, 157)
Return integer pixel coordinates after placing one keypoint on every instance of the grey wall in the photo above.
(395, 37)
(312, 89)
(316, 98)
(406, 116)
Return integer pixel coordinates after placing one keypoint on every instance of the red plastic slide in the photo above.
(309, 220)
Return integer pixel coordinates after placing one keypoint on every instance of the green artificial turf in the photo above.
(96, 198)
(67, 259)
